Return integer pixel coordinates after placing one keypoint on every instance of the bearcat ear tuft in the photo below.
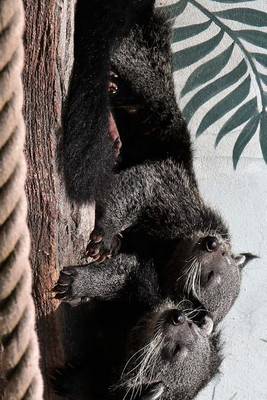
(244, 258)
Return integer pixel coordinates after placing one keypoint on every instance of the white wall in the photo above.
(241, 196)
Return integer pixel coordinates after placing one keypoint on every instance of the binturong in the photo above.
(154, 208)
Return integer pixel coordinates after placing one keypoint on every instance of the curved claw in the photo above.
(94, 245)
(96, 237)
(62, 289)
(99, 250)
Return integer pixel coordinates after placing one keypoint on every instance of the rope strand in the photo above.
(20, 376)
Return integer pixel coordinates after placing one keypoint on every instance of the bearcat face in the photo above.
(203, 267)
(171, 354)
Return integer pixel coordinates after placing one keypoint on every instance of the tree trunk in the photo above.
(59, 229)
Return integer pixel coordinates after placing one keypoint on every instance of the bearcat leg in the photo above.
(88, 153)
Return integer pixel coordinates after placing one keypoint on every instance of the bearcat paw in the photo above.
(100, 248)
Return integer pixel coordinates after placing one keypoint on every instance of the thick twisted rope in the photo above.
(20, 376)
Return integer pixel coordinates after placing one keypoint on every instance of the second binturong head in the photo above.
(204, 268)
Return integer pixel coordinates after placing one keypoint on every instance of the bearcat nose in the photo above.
(212, 277)
(177, 317)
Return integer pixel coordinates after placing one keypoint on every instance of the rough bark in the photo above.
(59, 229)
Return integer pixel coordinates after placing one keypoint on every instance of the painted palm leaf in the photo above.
(224, 55)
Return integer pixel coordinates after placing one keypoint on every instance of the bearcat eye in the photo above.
(210, 244)
(177, 317)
